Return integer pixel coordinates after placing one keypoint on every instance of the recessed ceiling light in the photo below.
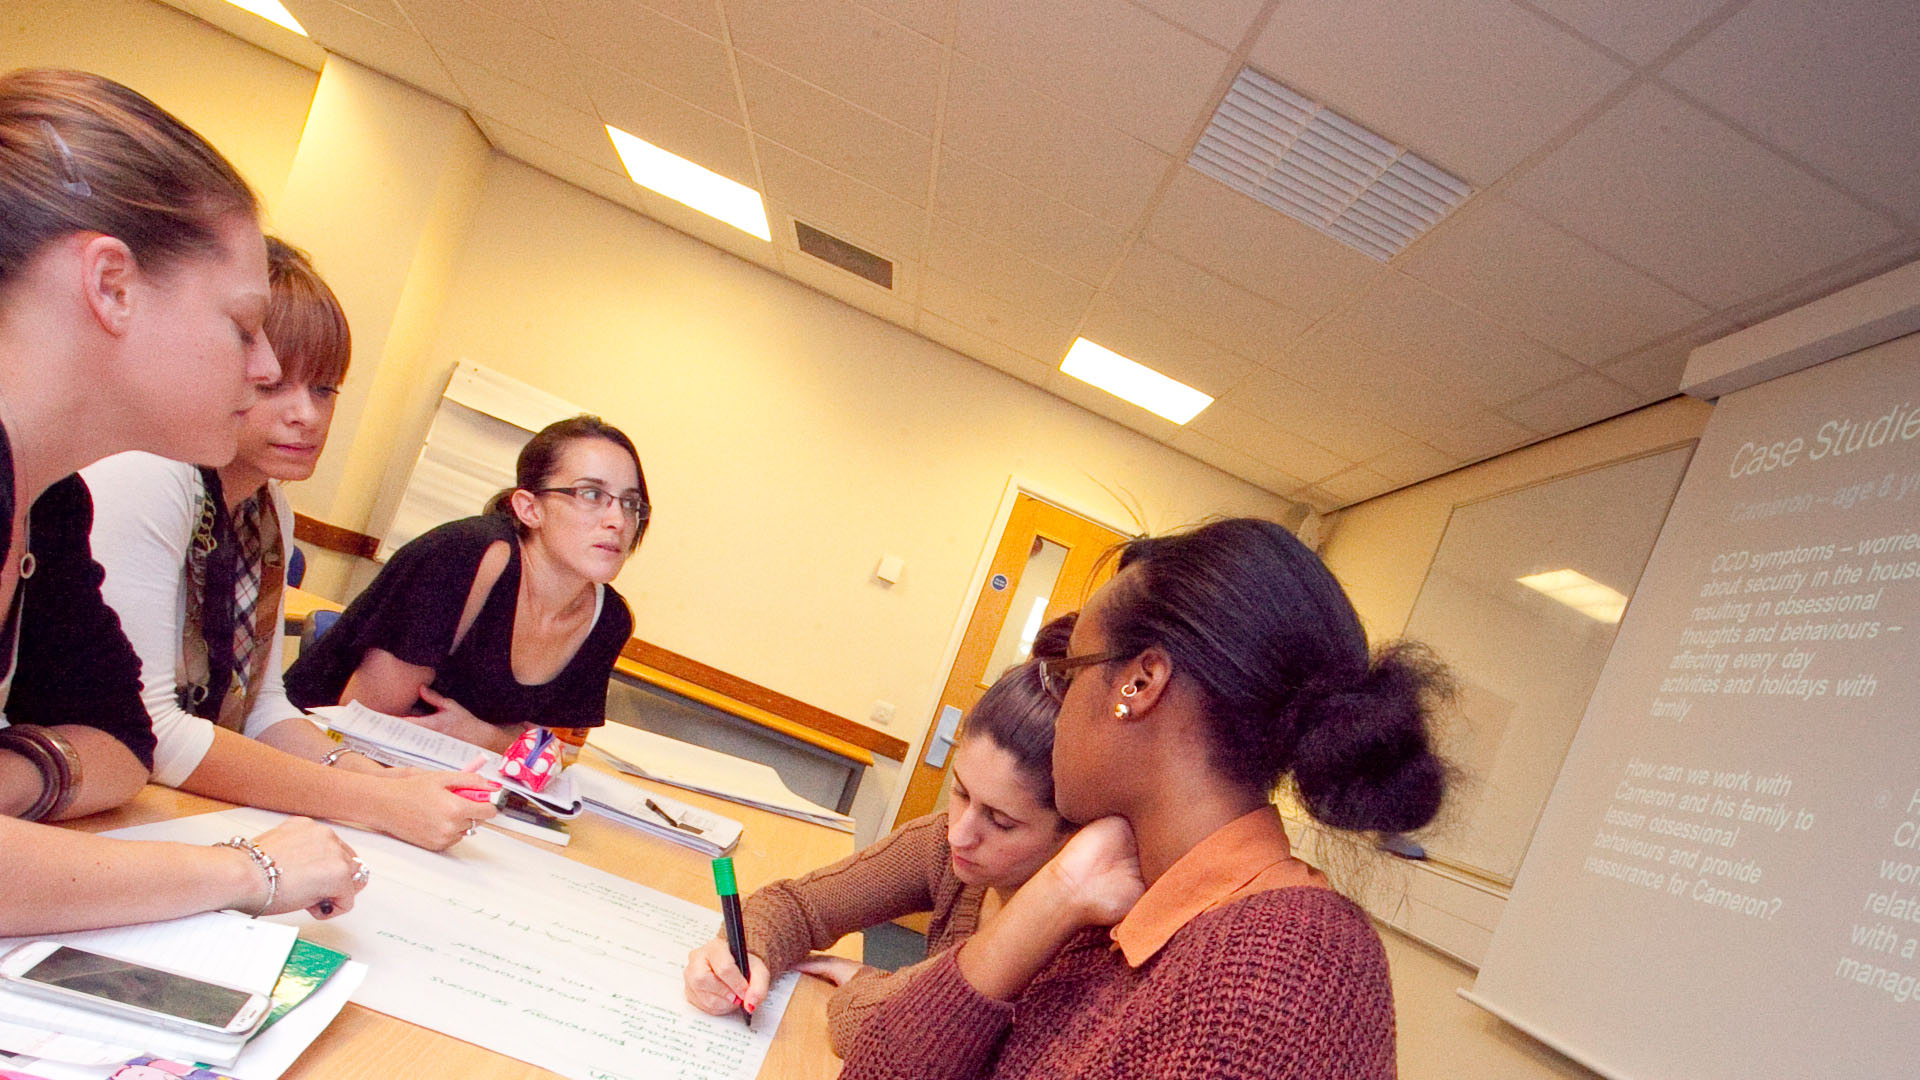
(684, 182)
(1316, 166)
(273, 11)
(1130, 381)
(1579, 592)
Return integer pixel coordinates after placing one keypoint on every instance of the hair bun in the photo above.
(1364, 759)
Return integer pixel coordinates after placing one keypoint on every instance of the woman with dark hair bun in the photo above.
(961, 864)
(490, 625)
(1176, 935)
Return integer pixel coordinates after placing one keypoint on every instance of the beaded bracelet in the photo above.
(56, 761)
(261, 859)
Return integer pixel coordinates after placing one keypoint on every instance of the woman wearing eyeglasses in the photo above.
(1176, 936)
(487, 626)
(960, 864)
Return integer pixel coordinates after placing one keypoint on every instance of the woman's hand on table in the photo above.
(318, 871)
(837, 970)
(425, 808)
(715, 985)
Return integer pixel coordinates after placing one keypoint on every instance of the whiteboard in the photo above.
(1726, 881)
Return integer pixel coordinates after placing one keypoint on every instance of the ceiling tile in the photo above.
(1318, 501)
(1397, 394)
(556, 123)
(848, 288)
(1683, 196)
(651, 47)
(1322, 420)
(1640, 29)
(1256, 247)
(1509, 263)
(522, 51)
(927, 17)
(1412, 463)
(1584, 399)
(1477, 433)
(1355, 485)
(1234, 463)
(393, 49)
(866, 58)
(987, 351)
(962, 253)
(385, 11)
(1053, 147)
(841, 205)
(702, 15)
(1249, 434)
(1144, 338)
(1205, 304)
(1837, 86)
(1471, 85)
(837, 133)
(1656, 369)
(1101, 403)
(711, 231)
(669, 123)
(613, 187)
(1223, 22)
(1088, 53)
(1421, 329)
(1006, 211)
(532, 12)
(994, 318)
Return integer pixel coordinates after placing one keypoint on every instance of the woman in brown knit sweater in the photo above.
(1175, 936)
(961, 864)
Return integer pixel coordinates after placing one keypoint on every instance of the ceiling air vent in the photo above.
(854, 260)
(1310, 163)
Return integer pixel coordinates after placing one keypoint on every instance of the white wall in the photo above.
(789, 440)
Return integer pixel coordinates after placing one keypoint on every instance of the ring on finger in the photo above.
(361, 871)
(473, 826)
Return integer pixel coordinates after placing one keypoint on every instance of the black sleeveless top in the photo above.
(412, 610)
(74, 666)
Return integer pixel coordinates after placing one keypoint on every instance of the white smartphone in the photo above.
(133, 991)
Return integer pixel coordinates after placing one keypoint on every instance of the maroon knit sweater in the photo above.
(909, 870)
(1289, 983)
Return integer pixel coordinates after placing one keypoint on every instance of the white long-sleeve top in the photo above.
(144, 508)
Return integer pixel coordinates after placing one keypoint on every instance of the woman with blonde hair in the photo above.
(133, 288)
(195, 561)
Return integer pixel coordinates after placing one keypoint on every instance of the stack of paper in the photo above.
(696, 768)
(399, 741)
(661, 815)
(218, 947)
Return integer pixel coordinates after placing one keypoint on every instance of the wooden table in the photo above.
(364, 1043)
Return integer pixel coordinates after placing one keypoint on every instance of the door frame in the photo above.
(1015, 487)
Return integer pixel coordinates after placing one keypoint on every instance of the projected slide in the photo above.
(1726, 881)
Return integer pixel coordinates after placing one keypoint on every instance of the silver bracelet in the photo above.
(264, 861)
(338, 752)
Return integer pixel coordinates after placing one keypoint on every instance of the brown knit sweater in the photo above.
(1288, 984)
(908, 871)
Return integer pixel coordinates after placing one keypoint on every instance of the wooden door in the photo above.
(1042, 568)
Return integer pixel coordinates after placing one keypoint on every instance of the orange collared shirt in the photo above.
(1248, 855)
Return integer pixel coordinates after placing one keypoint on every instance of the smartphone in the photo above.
(132, 991)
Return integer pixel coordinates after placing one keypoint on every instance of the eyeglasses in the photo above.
(1057, 674)
(632, 504)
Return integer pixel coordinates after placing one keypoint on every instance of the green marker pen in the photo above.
(730, 911)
